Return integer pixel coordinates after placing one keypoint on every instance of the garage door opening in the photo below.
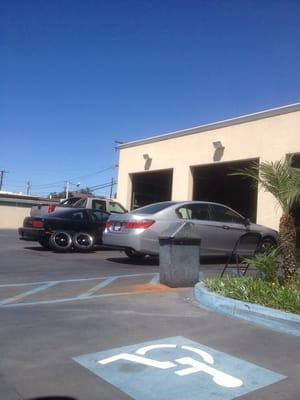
(214, 183)
(151, 187)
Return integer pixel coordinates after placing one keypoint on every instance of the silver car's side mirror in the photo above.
(247, 221)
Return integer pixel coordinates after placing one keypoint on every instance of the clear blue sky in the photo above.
(78, 74)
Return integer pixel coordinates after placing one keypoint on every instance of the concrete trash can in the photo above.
(179, 255)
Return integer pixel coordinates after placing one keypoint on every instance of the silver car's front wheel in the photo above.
(266, 244)
(134, 255)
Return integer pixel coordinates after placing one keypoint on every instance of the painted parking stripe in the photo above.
(100, 285)
(154, 280)
(70, 299)
(28, 293)
(75, 280)
(89, 294)
(177, 368)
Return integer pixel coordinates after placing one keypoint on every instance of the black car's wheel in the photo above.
(83, 241)
(266, 244)
(134, 255)
(45, 242)
(61, 241)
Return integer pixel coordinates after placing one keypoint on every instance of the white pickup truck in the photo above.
(95, 202)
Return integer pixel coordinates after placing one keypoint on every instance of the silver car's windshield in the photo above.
(153, 208)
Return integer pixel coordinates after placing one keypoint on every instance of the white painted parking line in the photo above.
(105, 281)
(76, 280)
(100, 285)
(154, 280)
(28, 293)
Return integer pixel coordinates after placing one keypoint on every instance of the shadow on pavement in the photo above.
(43, 249)
(128, 261)
(53, 398)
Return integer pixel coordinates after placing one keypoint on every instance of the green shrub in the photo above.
(267, 263)
(256, 291)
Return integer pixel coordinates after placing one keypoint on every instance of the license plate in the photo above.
(117, 226)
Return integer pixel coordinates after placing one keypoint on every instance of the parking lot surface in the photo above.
(96, 326)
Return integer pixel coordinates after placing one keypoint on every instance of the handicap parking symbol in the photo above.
(177, 368)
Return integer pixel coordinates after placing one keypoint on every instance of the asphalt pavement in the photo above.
(97, 326)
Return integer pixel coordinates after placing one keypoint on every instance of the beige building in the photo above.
(196, 163)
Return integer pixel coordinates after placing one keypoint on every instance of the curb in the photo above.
(278, 320)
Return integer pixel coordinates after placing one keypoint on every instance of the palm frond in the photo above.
(277, 177)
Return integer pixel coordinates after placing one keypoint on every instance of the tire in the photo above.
(83, 241)
(61, 241)
(266, 244)
(45, 242)
(134, 255)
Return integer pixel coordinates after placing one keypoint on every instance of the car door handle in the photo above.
(225, 227)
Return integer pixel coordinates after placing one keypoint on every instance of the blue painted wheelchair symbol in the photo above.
(177, 368)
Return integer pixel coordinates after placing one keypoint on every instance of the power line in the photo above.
(48, 185)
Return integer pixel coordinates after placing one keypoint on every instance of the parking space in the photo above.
(95, 326)
(47, 292)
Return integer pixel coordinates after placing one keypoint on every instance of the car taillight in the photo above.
(108, 224)
(37, 224)
(142, 224)
(51, 208)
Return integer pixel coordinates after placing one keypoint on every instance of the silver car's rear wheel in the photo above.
(61, 241)
(83, 241)
(134, 255)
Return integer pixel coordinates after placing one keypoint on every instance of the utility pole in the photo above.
(111, 188)
(67, 187)
(28, 188)
(1, 178)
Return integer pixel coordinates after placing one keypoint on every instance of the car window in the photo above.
(98, 215)
(99, 205)
(70, 201)
(184, 213)
(80, 203)
(153, 208)
(78, 215)
(194, 211)
(224, 214)
(115, 207)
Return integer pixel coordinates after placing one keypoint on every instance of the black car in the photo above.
(78, 228)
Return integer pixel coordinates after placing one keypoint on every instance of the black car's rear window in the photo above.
(65, 213)
(153, 208)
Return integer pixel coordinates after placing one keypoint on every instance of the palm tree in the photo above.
(283, 181)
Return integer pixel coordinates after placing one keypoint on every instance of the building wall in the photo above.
(13, 209)
(268, 138)
(12, 217)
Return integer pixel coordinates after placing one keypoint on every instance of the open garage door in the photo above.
(214, 183)
(151, 187)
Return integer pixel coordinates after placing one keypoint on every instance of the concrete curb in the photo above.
(277, 320)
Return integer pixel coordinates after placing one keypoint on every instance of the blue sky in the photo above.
(75, 75)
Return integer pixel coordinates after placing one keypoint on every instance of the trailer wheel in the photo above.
(61, 241)
(83, 241)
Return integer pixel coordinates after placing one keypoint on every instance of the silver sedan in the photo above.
(219, 227)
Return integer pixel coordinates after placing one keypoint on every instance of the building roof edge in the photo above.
(215, 125)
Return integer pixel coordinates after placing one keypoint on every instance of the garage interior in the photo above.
(214, 183)
(151, 187)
